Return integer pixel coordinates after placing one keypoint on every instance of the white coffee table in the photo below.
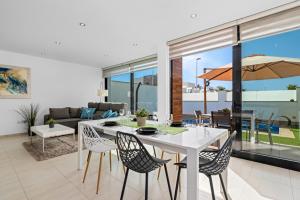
(45, 132)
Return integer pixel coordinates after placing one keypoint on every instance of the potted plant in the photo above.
(51, 122)
(141, 116)
(29, 115)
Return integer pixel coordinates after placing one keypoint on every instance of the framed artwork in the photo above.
(14, 82)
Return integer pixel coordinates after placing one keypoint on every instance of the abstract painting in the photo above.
(14, 82)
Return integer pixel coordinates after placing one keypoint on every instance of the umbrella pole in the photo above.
(205, 100)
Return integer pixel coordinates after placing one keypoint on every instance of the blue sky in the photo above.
(281, 45)
(209, 59)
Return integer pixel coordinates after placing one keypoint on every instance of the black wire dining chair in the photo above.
(135, 157)
(211, 162)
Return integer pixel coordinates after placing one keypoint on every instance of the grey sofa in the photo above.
(71, 116)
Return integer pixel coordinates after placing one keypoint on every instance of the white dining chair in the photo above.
(97, 144)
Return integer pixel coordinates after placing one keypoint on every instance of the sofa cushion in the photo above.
(87, 113)
(98, 114)
(93, 105)
(106, 114)
(68, 120)
(75, 112)
(113, 114)
(117, 107)
(104, 106)
(59, 113)
(71, 122)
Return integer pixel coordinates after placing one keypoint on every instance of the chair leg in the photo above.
(211, 187)
(110, 160)
(146, 187)
(177, 183)
(168, 180)
(161, 157)
(99, 172)
(124, 170)
(154, 151)
(223, 186)
(87, 165)
(178, 160)
(117, 151)
(270, 137)
(249, 132)
(124, 183)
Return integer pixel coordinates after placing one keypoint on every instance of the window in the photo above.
(134, 83)
(145, 88)
(272, 92)
(119, 88)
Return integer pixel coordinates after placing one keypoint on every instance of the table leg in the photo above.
(192, 174)
(79, 164)
(225, 172)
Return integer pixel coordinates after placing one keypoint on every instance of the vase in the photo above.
(51, 125)
(141, 121)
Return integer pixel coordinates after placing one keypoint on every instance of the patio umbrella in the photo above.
(256, 67)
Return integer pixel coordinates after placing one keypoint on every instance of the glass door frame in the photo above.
(237, 118)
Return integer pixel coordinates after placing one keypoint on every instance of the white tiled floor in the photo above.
(23, 178)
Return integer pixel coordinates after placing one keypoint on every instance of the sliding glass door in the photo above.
(119, 88)
(271, 94)
(134, 84)
(145, 89)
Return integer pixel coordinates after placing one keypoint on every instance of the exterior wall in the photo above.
(262, 102)
(273, 95)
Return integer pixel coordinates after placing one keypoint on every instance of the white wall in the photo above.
(211, 96)
(53, 84)
(270, 95)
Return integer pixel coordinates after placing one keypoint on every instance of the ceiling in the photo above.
(116, 31)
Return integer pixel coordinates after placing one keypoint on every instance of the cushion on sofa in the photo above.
(59, 113)
(98, 114)
(113, 114)
(106, 114)
(117, 107)
(71, 122)
(93, 105)
(75, 112)
(104, 106)
(87, 113)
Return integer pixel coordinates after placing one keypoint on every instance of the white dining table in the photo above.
(190, 142)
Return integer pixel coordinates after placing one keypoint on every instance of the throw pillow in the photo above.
(87, 113)
(106, 114)
(113, 114)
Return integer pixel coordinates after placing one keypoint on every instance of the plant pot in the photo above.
(141, 121)
(51, 125)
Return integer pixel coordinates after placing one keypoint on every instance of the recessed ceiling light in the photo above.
(194, 15)
(82, 24)
(135, 44)
(58, 43)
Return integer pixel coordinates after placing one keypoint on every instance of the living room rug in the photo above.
(54, 147)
